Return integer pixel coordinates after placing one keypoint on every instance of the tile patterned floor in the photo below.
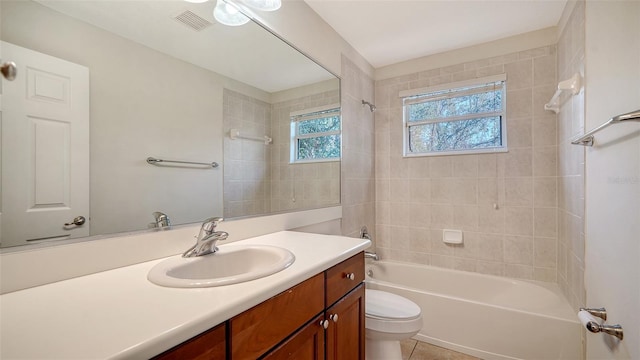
(416, 350)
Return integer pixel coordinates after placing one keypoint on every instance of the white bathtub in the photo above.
(485, 316)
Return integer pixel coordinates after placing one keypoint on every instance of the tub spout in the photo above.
(371, 255)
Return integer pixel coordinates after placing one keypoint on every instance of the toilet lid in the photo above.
(382, 304)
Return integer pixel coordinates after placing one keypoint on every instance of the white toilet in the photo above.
(389, 319)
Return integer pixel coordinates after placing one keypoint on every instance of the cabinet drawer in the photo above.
(338, 278)
(260, 328)
(208, 345)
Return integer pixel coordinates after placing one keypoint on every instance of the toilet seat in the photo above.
(384, 305)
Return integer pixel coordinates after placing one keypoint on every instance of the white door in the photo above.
(45, 148)
(612, 246)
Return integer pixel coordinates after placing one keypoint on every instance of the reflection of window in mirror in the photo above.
(316, 134)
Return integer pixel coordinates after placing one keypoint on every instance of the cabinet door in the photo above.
(262, 327)
(210, 345)
(306, 344)
(345, 334)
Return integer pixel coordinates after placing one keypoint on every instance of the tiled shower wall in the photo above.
(358, 187)
(505, 203)
(247, 189)
(571, 163)
(259, 178)
(297, 186)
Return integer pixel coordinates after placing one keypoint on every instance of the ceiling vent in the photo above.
(192, 20)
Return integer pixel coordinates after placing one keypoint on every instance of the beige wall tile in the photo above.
(441, 216)
(491, 220)
(518, 220)
(544, 70)
(519, 74)
(545, 191)
(544, 274)
(464, 264)
(399, 213)
(519, 132)
(465, 166)
(419, 167)
(465, 218)
(545, 252)
(490, 268)
(489, 247)
(490, 191)
(420, 190)
(440, 166)
(519, 103)
(464, 191)
(518, 162)
(442, 261)
(518, 191)
(545, 222)
(399, 189)
(420, 240)
(545, 161)
(442, 191)
(419, 214)
(518, 250)
(518, 271)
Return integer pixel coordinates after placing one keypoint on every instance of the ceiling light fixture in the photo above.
(228, 14)
(263, 5)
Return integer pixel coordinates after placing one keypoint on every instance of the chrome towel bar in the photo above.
(154, 161)
(587, 138)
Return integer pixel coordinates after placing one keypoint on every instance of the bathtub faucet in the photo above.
(371, 255)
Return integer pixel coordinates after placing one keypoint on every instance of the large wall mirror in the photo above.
(104, 85)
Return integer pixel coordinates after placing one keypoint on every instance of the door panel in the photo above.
(45, 139)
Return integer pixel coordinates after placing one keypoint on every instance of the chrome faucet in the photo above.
(371, 255)
(207, 238)
(162, 220)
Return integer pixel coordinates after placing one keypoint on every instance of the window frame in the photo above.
(450, 90)
(312, 114)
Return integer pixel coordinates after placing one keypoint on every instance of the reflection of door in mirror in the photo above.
(45, 140)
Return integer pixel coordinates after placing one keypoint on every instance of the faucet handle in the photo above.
(210, 224)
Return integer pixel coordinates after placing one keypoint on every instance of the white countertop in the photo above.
(120, 314)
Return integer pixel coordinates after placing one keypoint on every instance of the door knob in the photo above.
(9, 70)
(334, 317)
(77, 221)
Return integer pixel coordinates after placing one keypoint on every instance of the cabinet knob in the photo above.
(334, 317)
(324, 323)
(350, 276)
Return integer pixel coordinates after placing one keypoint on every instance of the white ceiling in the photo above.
(247, 53)
(390, 31)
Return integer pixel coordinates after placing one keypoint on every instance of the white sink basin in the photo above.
(231, 264)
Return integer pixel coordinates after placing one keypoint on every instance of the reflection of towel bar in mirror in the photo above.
(587, 138)
(154, 161)
(235, 134)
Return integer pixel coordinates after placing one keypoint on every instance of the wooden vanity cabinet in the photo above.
(320, 318)
(209, 345)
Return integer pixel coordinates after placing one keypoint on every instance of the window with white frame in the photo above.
(316, 134)
(459, 118)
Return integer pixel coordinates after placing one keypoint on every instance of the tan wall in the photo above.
(416, 198)
(571, 162)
